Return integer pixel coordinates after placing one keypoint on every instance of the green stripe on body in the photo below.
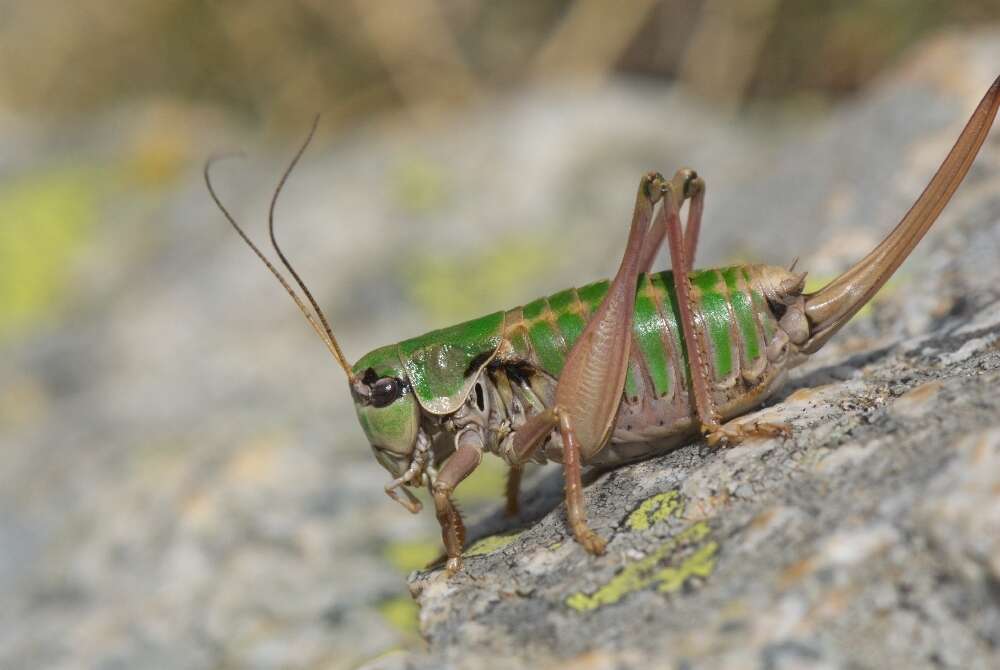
(534, 309)
(548, 345)
(554, 324)
(743, 309)
(663, 282)
(715, 314)
(566, 307)
(631, 387)
(564, 301)
(650, 329)
(591, 295)
(571, 327)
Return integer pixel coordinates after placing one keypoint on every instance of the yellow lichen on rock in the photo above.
(44, 221)
(648, 571)
(402, 613)
(407, 556)
(488, 545)
(655, 509)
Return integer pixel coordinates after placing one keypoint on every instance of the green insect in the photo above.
(614, 371)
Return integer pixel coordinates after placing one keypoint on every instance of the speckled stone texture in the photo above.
(869, 539)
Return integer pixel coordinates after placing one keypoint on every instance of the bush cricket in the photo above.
(614, 371)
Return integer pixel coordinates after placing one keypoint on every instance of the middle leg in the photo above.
(513, 490)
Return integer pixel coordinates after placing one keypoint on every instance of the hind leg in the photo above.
(686, 185)
(734, 432)
(681, 244)
(590, 386)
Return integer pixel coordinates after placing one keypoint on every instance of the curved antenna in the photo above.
(332, 341)
(331, 345)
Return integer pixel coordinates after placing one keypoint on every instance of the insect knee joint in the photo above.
(442, 489)
(683, 179)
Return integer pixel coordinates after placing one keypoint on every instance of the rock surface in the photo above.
(182, 484)
(871, 538)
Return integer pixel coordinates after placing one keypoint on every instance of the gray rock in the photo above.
(869, 539)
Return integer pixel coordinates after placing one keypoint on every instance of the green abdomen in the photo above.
(731, 315)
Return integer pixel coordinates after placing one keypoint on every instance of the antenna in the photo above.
(331, 340)
(324, 331)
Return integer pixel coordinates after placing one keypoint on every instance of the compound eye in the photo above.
(385, 391)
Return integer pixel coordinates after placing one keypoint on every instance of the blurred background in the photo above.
(182, 480)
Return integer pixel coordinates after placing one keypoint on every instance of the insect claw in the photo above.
(453, 565)
(392, 489)
(411, 503)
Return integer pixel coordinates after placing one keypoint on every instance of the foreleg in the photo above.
(468, 454)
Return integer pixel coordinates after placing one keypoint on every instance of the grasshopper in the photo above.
(614, 371)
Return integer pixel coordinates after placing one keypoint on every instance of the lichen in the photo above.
(419, 185)
(488, 545)
(44, 221)
(411, 555)
(485, 484)
(655, 509)
(647, 572)
(402, 613)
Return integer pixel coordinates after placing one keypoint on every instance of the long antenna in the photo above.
(323, 332)
(274, 243)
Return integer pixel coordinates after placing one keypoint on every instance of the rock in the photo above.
(871, 538)
(961, 512)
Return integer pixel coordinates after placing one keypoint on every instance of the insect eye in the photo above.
(385, 391)
(370, 377)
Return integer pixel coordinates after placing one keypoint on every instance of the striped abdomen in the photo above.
(732, 318)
